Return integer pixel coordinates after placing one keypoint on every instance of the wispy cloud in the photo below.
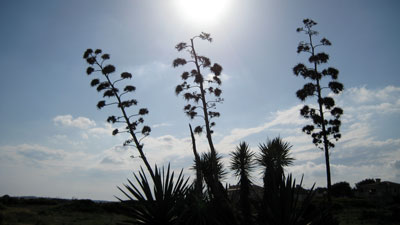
(25, 152)
(284, 117)
(87, 127)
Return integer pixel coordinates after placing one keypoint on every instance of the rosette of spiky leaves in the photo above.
(106, 84)
(242, 164)
(157, 201)
(274, 156)
(321, 125)
(197, 87)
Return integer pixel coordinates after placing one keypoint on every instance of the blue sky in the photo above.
(54, 142)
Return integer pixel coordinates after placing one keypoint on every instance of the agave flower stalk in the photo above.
(107, 84)
(323, 130)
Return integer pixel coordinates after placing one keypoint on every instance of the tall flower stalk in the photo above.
(107, 84)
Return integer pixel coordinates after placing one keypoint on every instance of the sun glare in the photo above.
(202, 11)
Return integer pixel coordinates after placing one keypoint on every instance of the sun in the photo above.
(202, 11)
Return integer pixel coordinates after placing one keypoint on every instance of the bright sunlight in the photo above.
(202, 11)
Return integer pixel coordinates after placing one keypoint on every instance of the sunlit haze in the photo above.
(202, 11)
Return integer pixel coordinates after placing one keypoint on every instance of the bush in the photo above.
(342, 189)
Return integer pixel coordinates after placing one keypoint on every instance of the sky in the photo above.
(54, 142)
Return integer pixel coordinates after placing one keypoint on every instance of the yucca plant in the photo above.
(242, 164)
(274, 156)
(158, 201)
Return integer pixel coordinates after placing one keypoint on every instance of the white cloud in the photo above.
(87, 127)
(106, 130)
(362, 95)
(69, 121)
(363, 100)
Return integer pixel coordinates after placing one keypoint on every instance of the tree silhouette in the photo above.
(196, 88)
(242, 163)
(342, 189)
(365, 181)
(107, 84)
(322, 130)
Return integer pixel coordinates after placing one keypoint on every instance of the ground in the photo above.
(42, 211)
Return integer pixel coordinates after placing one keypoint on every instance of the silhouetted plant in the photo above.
(322, 130)
(273, 157)
(198, 210)
(282, 204)
(209, 171)
(215, 196)
(198, 182)
(342, 189)
(197, 87)
(242, 164)
(157, 203)
(365, 181)
(107, 84)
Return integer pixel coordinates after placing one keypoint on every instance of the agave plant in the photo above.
(159, 202)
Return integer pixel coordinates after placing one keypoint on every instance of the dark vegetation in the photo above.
(44, 211)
